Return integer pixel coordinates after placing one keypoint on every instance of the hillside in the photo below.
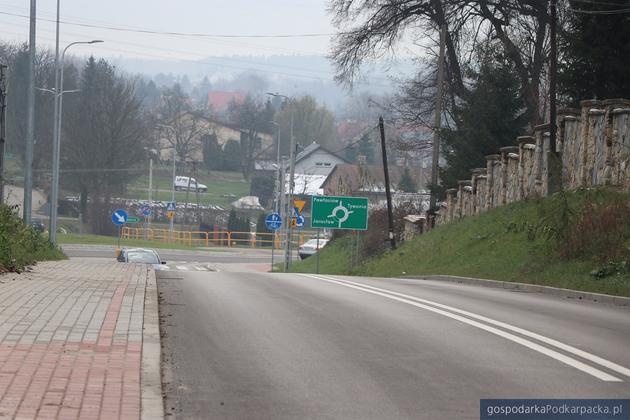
(577, 240)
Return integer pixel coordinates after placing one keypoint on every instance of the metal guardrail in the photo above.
(214, 238)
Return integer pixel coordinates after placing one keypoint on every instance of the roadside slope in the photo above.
(558, 241)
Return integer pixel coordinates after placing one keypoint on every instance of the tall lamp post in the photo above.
(171, 222)
(54, 193)
(277, 186)
(287, 227)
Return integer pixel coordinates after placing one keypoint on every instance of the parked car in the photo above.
(311, 247)
(185, 182)
(142, 256)
(38, 225)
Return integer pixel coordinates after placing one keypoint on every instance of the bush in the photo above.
(21, 245)
(600, 231)
(375, 241)
(592, 225)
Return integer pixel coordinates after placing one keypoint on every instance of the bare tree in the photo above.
(104, 138)
(370, 28)
(188, 124)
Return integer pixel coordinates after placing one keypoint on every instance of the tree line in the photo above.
(496, 64)
(114, 122)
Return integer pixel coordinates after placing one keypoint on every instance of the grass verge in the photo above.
(86, 239)
(521, 242)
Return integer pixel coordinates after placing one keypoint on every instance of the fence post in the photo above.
(229, 239)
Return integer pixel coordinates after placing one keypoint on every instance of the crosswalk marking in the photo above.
(188, 267)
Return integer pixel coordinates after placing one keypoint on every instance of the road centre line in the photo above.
(569, 349)
(424, 304)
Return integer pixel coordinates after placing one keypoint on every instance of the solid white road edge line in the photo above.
(569, 349)
(526, 343)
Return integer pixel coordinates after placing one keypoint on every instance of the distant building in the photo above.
(219, 100)
(312, 166)
(204, 126)
(316, 160)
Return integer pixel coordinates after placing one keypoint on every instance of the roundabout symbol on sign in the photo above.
(340, 209)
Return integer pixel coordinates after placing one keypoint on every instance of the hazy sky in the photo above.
(215, 17)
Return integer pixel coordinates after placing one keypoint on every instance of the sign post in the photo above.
(119, 218)
(171, 206)
(329, 212)
(273, 222)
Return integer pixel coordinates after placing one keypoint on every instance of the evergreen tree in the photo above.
(212, 152)
(233, 222)
(231, 156)
(365, 148)
(407, 184)
(262, 233)
(491, 117)
(262, 187)
(595, 52)
(104, 128)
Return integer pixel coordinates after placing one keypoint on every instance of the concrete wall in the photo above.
(593, 143)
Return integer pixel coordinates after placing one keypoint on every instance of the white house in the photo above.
(312, 167)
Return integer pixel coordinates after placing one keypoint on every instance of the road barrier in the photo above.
(215, 238)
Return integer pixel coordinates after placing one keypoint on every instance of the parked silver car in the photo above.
(311, 247)
(142, 256)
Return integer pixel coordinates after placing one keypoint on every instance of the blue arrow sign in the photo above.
(299, 221)
(273, 221)
(119, 217)
(170, 206)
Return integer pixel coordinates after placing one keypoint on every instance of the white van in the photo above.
(184, 182)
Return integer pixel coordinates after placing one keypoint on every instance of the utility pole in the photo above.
(554, 159)
(390, 213)
(30, 118)
(148, 224)
(282, 206)
(3, 127)
(277, 189)
(287, 254)
(438, 120)
(172, 221)
(553, 59)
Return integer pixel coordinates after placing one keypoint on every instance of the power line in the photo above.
(179, 34)
(232, 66)
(599, 3)
(600, 12)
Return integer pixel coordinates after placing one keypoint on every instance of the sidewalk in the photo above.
(71, 341)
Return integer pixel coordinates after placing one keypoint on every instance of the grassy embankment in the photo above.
(553, 242)
(223, 187)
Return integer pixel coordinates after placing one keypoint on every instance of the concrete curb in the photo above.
(532, 288)
(151, 382)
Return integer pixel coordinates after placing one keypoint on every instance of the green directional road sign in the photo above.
(133, 219)
(339, 212)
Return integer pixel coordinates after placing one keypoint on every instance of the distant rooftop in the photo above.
(220, 99)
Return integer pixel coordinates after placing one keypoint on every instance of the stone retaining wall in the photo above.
(593, 143)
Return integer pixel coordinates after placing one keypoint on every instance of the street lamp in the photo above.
(170, 127)
(287, 227)
(277, 192)
(54, 193)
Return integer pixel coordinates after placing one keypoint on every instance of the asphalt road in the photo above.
(251, 345)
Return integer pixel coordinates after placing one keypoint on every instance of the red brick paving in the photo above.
(62, 354)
